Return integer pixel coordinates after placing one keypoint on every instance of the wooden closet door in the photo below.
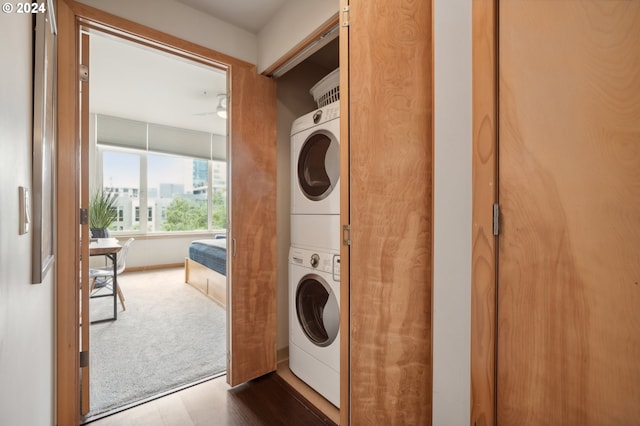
(569, 191)
(252, 244)
(390, 196)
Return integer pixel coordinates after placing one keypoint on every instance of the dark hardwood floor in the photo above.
(268, 400)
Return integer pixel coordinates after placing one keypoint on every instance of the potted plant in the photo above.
(102, 213)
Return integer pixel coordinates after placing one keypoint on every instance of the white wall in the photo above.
(159, 250)
(26, 310)
(452, 211)
(185, 22)
(294, 22)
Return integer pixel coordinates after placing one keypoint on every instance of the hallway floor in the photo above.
(268, 400)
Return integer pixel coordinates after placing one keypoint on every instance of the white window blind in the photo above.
(121, 132)
(125, 133)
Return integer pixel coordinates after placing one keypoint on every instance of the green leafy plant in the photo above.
(102, 209)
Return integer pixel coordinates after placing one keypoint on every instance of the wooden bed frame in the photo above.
(209, 282)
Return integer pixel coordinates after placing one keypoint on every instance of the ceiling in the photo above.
(250, 15)
(139, 83)
(128, 80)
(131, 81)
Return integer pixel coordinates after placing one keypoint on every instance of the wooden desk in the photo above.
(110, 252)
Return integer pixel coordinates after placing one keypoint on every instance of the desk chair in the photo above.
(103, 277)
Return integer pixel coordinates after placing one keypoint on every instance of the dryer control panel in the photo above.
(332, 111)
(317, 117)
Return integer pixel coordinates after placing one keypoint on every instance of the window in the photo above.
(178, 176)
(178, 192)
(121, 175)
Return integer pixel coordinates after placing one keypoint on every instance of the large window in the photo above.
(178, 193)
(179, 189)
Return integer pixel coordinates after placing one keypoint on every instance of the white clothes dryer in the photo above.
(315, 162)
(314, 320)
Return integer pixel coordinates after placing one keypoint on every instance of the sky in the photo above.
(122, 169)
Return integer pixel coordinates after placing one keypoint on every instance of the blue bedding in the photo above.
(211, 253)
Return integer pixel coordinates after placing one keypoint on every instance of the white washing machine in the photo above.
(315, 179)
(314, 320)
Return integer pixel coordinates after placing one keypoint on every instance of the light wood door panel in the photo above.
(569, 171)
(390, 158)
(252, 285)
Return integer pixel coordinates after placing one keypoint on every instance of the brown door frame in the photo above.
(345, 299)
(485, 194)
(67, 224)
(71, 16)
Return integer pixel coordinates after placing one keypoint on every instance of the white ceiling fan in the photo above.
(221, 109)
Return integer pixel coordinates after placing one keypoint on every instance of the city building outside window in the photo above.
(179, 193)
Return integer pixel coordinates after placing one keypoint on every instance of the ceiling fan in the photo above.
(221, 109)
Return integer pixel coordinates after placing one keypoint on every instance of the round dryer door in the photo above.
(319, 165)
(317, 310)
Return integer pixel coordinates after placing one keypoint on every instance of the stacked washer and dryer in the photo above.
(314, 257)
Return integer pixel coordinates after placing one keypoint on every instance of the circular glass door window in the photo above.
(317, 310)
(319, 165)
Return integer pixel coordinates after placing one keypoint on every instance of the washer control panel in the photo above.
(313, 259)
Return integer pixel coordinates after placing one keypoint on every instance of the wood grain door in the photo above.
(569, 189)
(390, 211)
(252, 284)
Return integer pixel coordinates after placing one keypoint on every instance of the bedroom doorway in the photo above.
(251, 272)
(154, 136)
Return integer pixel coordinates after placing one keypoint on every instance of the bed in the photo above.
(206, 268)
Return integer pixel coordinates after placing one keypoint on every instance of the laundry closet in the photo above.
(386, 59)
(294, 102)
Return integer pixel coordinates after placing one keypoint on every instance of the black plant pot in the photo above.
(100, 233)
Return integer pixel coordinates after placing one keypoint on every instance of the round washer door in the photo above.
(317, 310)
(319, 165)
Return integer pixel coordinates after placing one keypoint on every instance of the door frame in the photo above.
(71, 16)
(485, 193)
(345, 220)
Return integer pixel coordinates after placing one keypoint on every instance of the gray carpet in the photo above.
(170, 335)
